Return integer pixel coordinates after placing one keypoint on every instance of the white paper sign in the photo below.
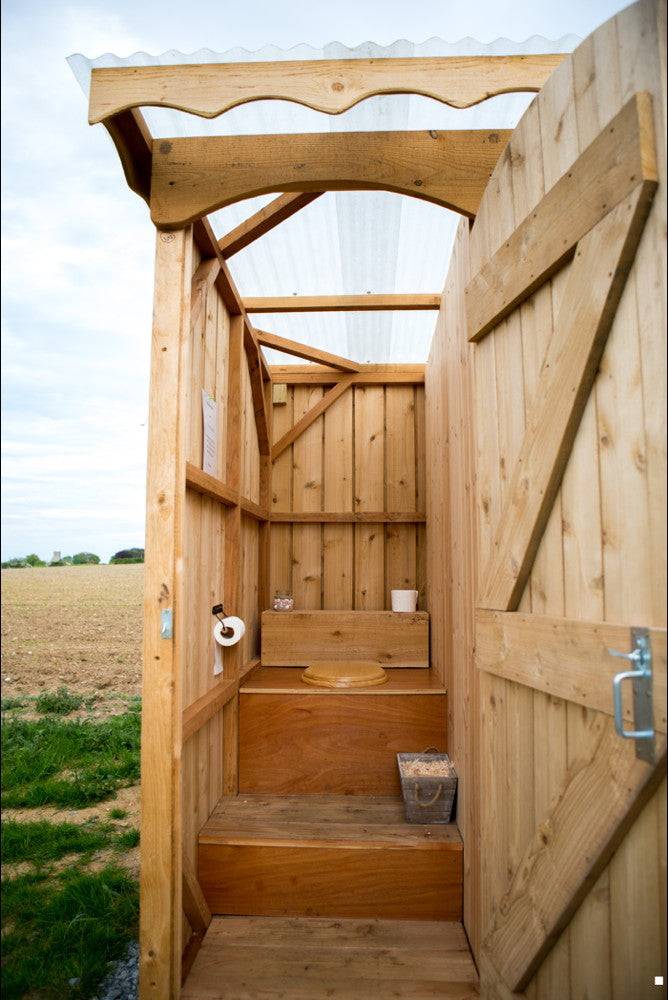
(210, 434)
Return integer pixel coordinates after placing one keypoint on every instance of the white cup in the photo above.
(404, 600)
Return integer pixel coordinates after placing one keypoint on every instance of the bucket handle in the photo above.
(432, 800)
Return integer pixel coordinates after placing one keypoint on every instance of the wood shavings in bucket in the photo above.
(430, 768)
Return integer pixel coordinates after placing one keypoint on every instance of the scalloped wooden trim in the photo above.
(328, 85)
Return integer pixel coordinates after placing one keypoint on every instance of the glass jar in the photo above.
(283, 601)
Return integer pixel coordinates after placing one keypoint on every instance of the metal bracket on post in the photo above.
(166, 625)
(643, 708)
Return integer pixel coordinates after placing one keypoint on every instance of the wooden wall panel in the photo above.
(603, 552)
(204, 535)
(450, 557)
(366, 453)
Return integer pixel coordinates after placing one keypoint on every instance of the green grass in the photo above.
(59, 932)
(40, 842)
(116, 813)
(60, 702)
(9, 704)
(68, 763)
(43, 841)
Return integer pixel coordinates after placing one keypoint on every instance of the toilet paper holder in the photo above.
(218, 611)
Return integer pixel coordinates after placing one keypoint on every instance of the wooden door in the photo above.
(565, 307)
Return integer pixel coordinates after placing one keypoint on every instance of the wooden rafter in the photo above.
(564, 858)
(394, 302)
(194, 176)
(592, 291)
(564, 658)
(606, 173)
(253, 356)
(304, 351)
(331, 85)
(348, 517)
(277, 211)
(367, 375)
(312, 415)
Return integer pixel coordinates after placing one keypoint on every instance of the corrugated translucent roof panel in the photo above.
(343, 242)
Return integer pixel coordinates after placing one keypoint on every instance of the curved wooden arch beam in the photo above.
(329, 85)
(192, 177)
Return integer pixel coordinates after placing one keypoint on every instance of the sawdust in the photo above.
(428, 769)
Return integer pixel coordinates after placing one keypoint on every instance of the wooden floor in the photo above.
(292, 958)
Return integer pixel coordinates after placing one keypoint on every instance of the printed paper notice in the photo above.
(210, 434)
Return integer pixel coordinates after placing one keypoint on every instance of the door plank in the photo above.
(605, 174)
(593, 289)
(565, 658)
(568, 851)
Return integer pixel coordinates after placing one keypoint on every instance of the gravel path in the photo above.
(122, 981)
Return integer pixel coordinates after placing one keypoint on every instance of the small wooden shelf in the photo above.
(287, 680)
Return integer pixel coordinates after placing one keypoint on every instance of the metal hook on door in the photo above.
(643, 709)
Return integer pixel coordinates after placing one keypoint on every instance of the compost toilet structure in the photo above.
(516, 481)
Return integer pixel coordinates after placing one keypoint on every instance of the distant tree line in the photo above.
(78, 559)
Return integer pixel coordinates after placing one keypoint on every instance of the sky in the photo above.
(77, 244)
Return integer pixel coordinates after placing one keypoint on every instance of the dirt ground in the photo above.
(78, 627)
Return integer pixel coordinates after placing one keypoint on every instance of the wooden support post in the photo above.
(264, 569)
(160, 885)
(232, 586)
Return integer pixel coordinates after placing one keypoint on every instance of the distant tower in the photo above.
(55, 557)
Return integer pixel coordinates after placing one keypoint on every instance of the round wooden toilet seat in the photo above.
(344, 674)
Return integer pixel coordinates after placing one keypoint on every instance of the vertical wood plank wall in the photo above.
(451, 552)
(365, 453)
(602, 556)
(200, 538)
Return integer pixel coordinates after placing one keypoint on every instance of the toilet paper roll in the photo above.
(237, 630)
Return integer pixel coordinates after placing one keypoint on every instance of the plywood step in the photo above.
(295, 739)
(265, 958)
(330, 856)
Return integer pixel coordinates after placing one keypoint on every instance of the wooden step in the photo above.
(274, 958)
(329, 856)
(296, 739)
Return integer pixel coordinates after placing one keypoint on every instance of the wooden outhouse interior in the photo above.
(516, 481)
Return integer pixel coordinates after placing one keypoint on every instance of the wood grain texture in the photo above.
(349, 821)
(193, 177)
(303, 351)
(606, 173)
(368, 375)
(564, 859)
(595, 284)
(565, 658)
(329, 85)
(264, 220)
(332, 959)
(392, 638)
(277, 680)
(310, 417)
(161, 886)
(340, 744)
(600, 545)
(451, 555)
(394, 302)
(397, 883)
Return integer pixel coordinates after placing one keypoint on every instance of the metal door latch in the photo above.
(643, 709)
(166, 627)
